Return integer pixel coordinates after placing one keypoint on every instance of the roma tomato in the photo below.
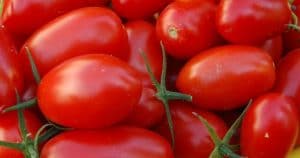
(86, 30)
(148, 112)
(127, 142)
(22, 18)
(10, 132)
(270, 118)
(7, 92)
(89, 91)
(226, 77)
(142, 38)
(192, 139)
(9, 64)
(274, 47)
(137, 9)
(252, 21)
(187, 27)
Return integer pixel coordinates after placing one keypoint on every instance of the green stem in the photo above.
(34, 69)
(225, 151)
(1, 7)
(23, 105)
(16, 146)
(48, 134)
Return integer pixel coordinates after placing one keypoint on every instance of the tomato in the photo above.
(226, 77)
(148, 112)
(187, 27)
(9, 131)
(9, 63)
(86, 30)
(7, 92)
(127, 142)
(137, 9)
(270, 118)
(274, 47)
(142, 38)
(22, 18)
(89, 91)
(294, 154)
(192, 139)
(252, 21)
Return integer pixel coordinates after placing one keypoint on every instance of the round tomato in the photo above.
(226, 77)
(127, 142)
(89, 91)
(187, 27)
(252, 21)
(192, 139)
(270, 118)
(10, 132)
(137, 9)
(86, 30)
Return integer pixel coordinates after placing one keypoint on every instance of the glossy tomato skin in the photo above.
(7, 92)
(274, 47)
(148, 112)
(89, 91)
(22, 18)
(191, 136)
(252, 21)
(117, 142)
(187, 27)
(142, 38)
(9, 64)
(9, 129)
(137, 9)
(86, 30)
(270, 118)
(226, 77)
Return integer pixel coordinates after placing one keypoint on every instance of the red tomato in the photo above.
(270, 127)
(9, 63)
(274, 47)
(89, 91)
(187, 27)
(86, 30)
(142, 37)
(226, 77)
(252, 21)
(22, 18)
(10, 132)
(192, 139)
(7, 92)
(117, 142)
(148, 112)
(137, 9)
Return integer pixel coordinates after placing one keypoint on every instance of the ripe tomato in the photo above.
(86, 30)
(117, 142)
(187, 27)
(226, 77)
(142, 37)
(22, 18)
(137, 9)
(10, 132)
(9, 64)
(148, 112)
(192, 139)
(252, 21)
(268, 119)
(89, 91)
(274, 47)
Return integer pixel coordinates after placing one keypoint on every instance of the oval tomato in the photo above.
(127, 142)
(192, 139)
(268, 119)
(226, 77)
(142, 38)
(187, 27)
(274, 47)
(137, 9)
(89, 91)
(86, 30)
(22, 18)
(10, 132)
(252, 21)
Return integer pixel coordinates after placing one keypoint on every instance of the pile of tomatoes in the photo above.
(149, 79)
